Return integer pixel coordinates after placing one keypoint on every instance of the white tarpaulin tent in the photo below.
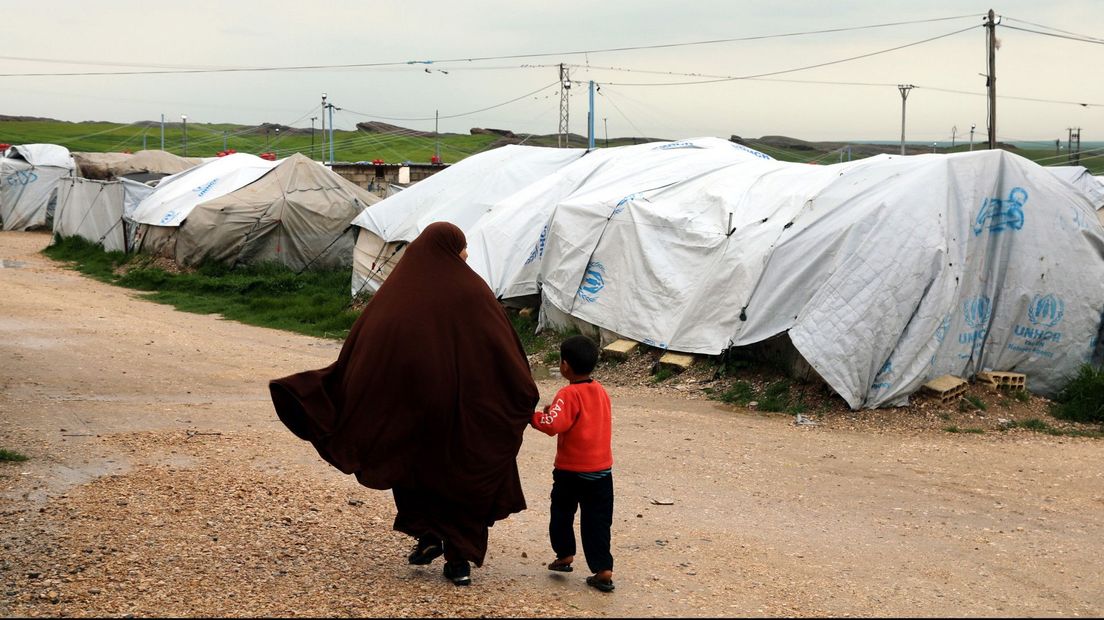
(134, 193)
(460, 194)
(92, 210)
(1082, 179)
(502, 199)
(885, 272)
(506, 245)
(160, 213)
(175, 196)
(293, 211)
(29, 176)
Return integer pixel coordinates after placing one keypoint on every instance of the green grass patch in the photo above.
(1082, 399)
(1021, 395)
(314, 303)
(776, 396)
(662, 374)
(975, 402)
(741, 393)
(552, 357)
(1042, 426)
(968, 430)
(11, 456)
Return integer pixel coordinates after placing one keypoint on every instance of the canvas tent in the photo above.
(29, 176)
(884, 272)
(111, 166)
(293, 211)
(91, 209)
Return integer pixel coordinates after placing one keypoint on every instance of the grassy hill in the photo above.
(374, 140)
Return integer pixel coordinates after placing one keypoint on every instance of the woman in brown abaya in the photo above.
(429, 397)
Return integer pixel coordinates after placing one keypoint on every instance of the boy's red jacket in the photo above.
(580, 414)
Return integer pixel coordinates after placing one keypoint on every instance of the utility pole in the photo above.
(904, 88)
(590, 120)
(991, 78)
(1077, 135)
(972, 127)
(323, 127)
(1069, 145)
(565, 90)
(313, 118)
(331, 106)
(1057, 147)
(436, 136)
(184, 120)
(605, 130)
(954, 130)
(162, 132)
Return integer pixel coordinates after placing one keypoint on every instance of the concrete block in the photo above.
(676, 361)
(1011, 380)
(947, 388)
(620, 349)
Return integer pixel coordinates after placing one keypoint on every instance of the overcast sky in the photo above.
(853, 100)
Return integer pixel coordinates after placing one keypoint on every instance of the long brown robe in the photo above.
(430, 394)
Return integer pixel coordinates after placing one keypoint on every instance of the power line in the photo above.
(371, 65)
(429, 118)
(1083, 36)
(795, 69)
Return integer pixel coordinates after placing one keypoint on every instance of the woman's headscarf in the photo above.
(431, 390)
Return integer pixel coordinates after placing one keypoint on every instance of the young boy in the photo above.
(583, 477)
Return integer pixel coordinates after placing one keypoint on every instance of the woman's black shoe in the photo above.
(426, 550)
(459, 571)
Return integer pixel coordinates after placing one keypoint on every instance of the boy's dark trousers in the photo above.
(595, 498)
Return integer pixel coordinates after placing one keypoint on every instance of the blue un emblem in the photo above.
(1046, 311)
(594, 280)
(976, 311)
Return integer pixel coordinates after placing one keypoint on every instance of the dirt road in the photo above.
(161, 483)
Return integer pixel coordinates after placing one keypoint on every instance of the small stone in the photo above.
(524, 554)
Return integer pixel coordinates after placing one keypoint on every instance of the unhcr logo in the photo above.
(1046, 311)
(976, 311)
(538, 250)
(206, 187)
(622, 204)
(594, 280)
(998, 215)
(681, 144)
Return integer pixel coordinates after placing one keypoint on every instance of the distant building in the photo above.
(378, 177)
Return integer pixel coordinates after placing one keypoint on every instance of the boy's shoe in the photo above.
(459, 571)
(426, 550)
(599, 583)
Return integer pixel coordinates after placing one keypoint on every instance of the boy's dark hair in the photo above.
(580, 353)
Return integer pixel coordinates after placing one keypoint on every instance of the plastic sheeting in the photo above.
(885, 272)
(1082, 179)
(29, 176)
(175, 196)
(92, 210)
(461, 194)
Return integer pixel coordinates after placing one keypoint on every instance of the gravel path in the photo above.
(161, 484)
